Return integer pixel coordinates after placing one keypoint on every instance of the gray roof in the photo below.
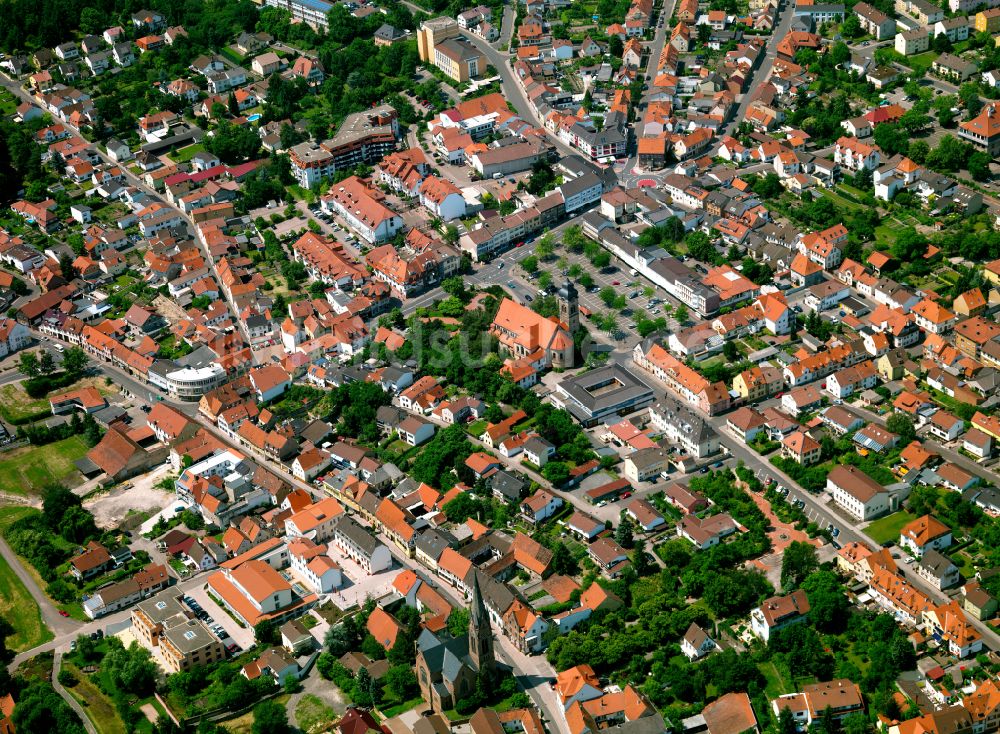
(685, 420)
(357, 535)
(507, 484)
(433, 542)
(592, 391)
(937, 564)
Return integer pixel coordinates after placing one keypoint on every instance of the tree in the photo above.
(623, 533)
(681, 314)
(851, 27)
(270, 717)
(941, 44)
(266, 632)
(786, 720)
(563, 561)
(545, 246)
(902, 426)
(40, 709)
(66, 269)
(828, 605)
(232, 143)
(27, 363)
(909, 246)
(401, 682)
(232, 105)
(968, 95)
(798, 561)
(950, 154)
(730, 351)
(6, 630)
(700, 247)
(556, 472)
(458, 622)
(91, 20)
(46, 362)
(979, 165)
(768, 186)
(131, 669)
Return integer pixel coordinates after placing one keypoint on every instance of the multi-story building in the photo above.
(313, 12)
(856, 492)
(364, 137)
(874, 21)
(983, 130)
(433, 32)
(362, 208)
(459, 59)
(684, 426)
(162, 625)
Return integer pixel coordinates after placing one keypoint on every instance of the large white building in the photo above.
(857, 492)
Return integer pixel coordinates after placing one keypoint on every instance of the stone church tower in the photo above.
(480, 633)
(569, 306)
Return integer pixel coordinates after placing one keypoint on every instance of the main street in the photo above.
(533, 672)
(763, 70)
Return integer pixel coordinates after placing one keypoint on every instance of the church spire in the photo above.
(480, 632)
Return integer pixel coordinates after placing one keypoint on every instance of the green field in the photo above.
(98, 706)
(185, 154)
(18, 608)
(920, 63)
(17, 407)
(26, 470)
(887, 528)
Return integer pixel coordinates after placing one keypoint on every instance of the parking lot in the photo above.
(643, 297)
(242, 636)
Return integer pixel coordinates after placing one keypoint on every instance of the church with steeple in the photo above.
(448, 667)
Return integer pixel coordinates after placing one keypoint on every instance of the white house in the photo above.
(857, 492)
(361, 546)
(442, 198)
(696, 643)
(540, 506)
(14, 336)
(309, 464)
(313, 567)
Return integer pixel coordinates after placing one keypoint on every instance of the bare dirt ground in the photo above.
(110, 508)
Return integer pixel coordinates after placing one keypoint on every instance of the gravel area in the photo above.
(140, 495)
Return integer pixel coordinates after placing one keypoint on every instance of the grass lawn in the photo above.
(27, 470)
(476, 428)
(776, 684)
(398, 708)
(99, 708)
(20, 609)
(243, 724)
(17, 406)
(841, 200)
(312, 712)
(887, 529)
(8, 104)
(185, 154)
(921, 62)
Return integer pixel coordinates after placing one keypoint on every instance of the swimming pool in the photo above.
(254, 117)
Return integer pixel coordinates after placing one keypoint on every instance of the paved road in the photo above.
(507, 23)
(73, 703)
(50, 614)
(763, 71)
